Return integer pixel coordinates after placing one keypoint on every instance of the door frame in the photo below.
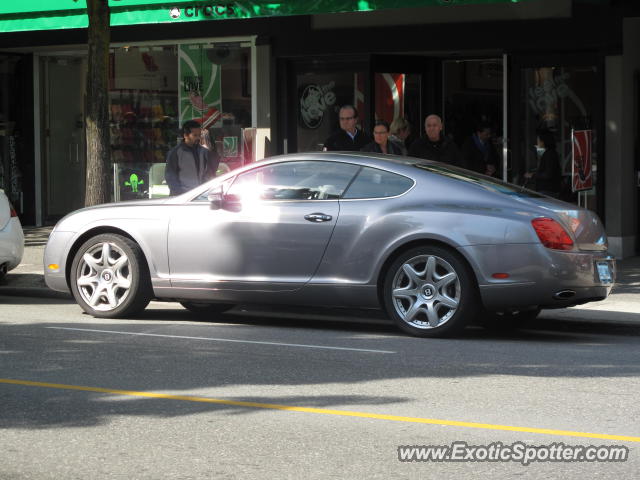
(44, 114)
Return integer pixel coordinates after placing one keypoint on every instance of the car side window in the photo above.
(375, 183)
(304, 180)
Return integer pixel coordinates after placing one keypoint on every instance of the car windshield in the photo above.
(493, 184)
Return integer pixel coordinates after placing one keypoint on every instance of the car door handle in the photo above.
(318, 217)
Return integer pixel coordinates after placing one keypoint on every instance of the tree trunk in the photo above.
(99, 176)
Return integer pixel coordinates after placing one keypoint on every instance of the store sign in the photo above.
(204, 11)
(314, 101)
(581, 171)
(200, 86)
(60, 14)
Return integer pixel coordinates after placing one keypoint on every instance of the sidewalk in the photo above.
(27, 280)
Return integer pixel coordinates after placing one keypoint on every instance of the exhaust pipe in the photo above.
(564, 294)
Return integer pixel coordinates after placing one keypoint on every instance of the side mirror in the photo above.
(215, 198)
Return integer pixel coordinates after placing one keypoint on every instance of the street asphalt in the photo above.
(622, 306)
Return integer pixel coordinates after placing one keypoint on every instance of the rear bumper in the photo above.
(538, 276)
(11, 244)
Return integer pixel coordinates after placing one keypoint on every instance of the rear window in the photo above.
(374, 183)
(492, 184)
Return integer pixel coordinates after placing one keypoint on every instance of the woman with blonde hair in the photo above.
(400, 129)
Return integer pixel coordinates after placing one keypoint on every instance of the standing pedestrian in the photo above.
(381, 142)
(435, 146)
(478, 152)
(399, 130)
(189, 164)
(548, 174)
(349, 137)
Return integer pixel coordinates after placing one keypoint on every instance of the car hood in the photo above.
(127, 204)
(73, 220)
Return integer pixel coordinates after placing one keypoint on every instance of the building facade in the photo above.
(268, 78)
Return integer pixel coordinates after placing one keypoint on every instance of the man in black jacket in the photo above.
(189, 164)
(435, 146)
(349, 137)
(478, 152)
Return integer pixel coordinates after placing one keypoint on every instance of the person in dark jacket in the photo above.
(189, 164)
(548, 175)
(478, 152)
(381, 142)
(349, 137)
(435, 146)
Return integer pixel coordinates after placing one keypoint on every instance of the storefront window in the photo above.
(12, 130)
(556, 101)
(155, 89)
(321, 89)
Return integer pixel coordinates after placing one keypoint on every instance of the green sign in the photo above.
(200, 86)
(58, 14)
(134, 182)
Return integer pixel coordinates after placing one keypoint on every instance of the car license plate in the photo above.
(604, 272)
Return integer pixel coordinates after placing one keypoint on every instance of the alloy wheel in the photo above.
(103, 276)
(426, 291)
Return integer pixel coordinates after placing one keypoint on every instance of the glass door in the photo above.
(63, 114)
(473, 99)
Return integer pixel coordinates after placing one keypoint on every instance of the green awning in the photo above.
(28, 15)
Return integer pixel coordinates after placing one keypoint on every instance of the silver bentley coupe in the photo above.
(433, 245)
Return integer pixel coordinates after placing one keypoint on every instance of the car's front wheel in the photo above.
(109, 277)
(430, 292)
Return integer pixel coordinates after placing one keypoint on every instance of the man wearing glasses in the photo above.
(349, 137)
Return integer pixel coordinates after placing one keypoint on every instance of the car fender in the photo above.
(153, 242)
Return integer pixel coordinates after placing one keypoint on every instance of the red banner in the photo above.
(388, 95)
(581, 171)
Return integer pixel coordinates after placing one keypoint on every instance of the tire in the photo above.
(430, 292)
(507, 321)
(206, 309)
(109, 277)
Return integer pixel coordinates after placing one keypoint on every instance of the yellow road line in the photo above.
(324, 411)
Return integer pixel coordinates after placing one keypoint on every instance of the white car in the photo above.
(11, 236)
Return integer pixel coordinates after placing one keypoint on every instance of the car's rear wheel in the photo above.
(109, 277)
(204, 309)
(430, 292)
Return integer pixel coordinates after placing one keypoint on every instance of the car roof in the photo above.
(391, 162)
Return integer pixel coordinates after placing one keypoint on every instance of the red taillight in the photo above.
(551, 234)
(13, 211)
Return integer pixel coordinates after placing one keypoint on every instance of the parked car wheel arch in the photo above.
(425, 242)
(90, 234)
